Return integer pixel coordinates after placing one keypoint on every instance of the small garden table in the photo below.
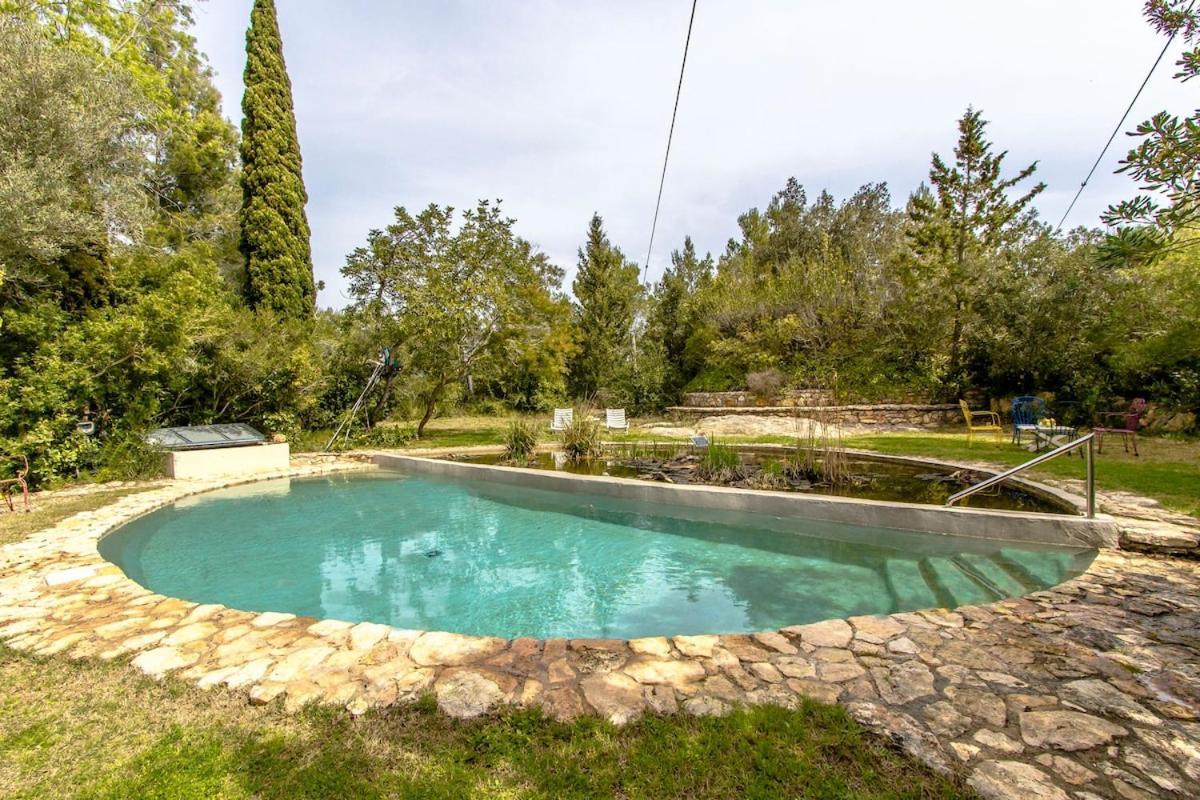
(1052, 436)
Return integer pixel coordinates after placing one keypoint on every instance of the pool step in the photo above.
(906, 585)
(952, 581)
(1017, 573)
(995, 583)
(933, 579)
(1041, 569)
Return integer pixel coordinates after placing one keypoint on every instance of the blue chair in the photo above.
(1026, 411)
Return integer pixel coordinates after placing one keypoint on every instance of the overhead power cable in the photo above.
(670, 135)
(1120, 124)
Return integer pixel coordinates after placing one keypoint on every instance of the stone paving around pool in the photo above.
(1087, 690)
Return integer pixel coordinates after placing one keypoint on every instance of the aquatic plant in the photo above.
(771, 475)
(581, 438)
(520, 440)
(719, 464)
(820, 455)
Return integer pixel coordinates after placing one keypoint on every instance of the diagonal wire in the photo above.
(1120, 124)
(670, 135)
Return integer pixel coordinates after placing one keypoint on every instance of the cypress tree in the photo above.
(274, 235)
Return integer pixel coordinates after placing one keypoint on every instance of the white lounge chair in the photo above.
(563, 417)
(614, 419)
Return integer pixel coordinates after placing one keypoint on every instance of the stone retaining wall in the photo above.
(791, 398)
(744, 399)
(909, 415)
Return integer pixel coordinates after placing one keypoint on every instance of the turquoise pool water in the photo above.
(481, 558)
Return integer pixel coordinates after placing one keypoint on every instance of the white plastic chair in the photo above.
(563, 417)
(614, 419)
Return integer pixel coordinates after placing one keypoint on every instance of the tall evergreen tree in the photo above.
(606, 291)
(678, 313)
(966, 219)
(275, 234)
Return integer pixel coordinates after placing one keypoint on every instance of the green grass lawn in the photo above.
(92, 730)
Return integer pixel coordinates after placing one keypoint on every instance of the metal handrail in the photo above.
(1090, 468)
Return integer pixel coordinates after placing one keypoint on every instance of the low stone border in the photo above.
(924, 415)
(1090, 689)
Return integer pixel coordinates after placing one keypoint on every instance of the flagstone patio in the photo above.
(1090, 689)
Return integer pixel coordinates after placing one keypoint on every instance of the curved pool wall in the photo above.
(1011, 526)
(483, 558)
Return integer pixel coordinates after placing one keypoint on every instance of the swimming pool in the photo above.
(478, 557)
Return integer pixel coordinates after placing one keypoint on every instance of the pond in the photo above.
(870, 479)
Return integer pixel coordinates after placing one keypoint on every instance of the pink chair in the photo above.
(1126, 428)
(8, 484)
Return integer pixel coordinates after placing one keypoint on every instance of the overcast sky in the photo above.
(561, 107)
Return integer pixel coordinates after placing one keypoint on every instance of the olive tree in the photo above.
(448, 293)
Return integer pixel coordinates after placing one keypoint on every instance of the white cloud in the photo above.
(561, 108)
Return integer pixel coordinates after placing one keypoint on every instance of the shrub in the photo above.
(765, 384)
(127, 456)
(520, 440)
(581, 439)
(383, 437)
(282, 423)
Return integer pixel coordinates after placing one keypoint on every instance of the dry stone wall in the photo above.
(896, 414)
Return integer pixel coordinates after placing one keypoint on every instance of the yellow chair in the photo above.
(990, 422)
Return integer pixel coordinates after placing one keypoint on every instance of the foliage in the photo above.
(820, 455)
(116, 303)
(719, 464)
(70, 170)
(607, 293)
(772, 475)
(188, 149)
(803, 291)
(676, 318)
(582, 437)
(765, 384)
(958, 228)
(520, 440)
(384, 437)
(124, 298)
(127, 456)
(456, 301)
(274, 228)
(1162, 358)
(1166, 160)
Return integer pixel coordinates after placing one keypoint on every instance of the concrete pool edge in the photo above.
(1012, 526)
